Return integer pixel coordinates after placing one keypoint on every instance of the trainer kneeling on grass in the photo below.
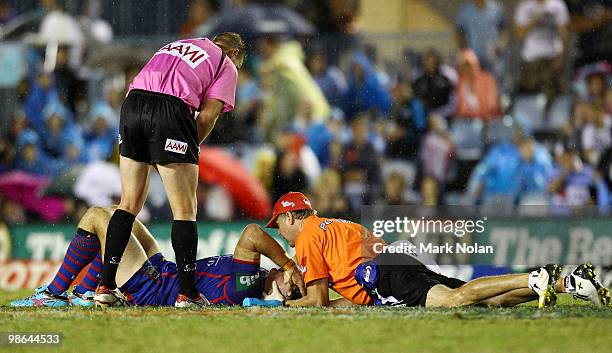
(340, 255)
(172, 106)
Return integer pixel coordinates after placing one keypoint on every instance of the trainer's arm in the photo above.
(209, 113)
(317, 294)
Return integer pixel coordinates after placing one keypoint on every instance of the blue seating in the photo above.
(529, 112)
(468, 137)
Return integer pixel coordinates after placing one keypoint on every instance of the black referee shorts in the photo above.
(157, 128)
(407, 280)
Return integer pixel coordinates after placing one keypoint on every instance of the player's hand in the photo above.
(294, 276)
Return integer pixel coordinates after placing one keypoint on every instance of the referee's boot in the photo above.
(106, 297)
(183, 301)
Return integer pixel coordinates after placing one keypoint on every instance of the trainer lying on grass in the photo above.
(146, 278)
(341, 255)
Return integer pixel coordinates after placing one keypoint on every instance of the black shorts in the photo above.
(157, 128)
(407, 280)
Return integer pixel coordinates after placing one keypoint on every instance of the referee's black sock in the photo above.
(117, 237)
(185, 245)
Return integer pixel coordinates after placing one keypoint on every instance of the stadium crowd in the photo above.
(343, 126)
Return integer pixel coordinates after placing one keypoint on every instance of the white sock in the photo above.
(538, 280)
(569, 285)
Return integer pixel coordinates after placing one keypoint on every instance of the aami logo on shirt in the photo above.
(188, 52)
(176, 146)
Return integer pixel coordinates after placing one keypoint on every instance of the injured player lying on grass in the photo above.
(145, 278)
(343, 256)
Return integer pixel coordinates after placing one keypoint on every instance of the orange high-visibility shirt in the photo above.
(332, 249)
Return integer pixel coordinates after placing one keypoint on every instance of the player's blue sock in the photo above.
(92, 277)
(81, 251)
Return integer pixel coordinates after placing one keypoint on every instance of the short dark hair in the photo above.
(230, 40)
(302, 214)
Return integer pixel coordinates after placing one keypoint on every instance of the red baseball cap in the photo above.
(291, 201)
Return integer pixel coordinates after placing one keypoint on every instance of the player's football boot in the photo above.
(106, 297)
(542, 282)
(81, 299)
(42, 297)
(582, 283)
(183, 301)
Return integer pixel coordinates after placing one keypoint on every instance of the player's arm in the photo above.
(254, 242)
(317, 294)
(209, 113)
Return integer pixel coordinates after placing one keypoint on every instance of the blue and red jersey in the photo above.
(223, 280)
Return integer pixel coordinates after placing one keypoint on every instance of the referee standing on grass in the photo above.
(171, 107)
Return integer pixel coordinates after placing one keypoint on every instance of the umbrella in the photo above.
(60, 28)
(119, 57)
(98, 184)
(255, 20)
(218, 167)
(21, 26)
(63, 184)
(24, 189)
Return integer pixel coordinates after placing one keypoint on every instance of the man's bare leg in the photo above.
(520, 296)
(511, 298)
(475, 291)
(89, 239)
(134, 187)
(180, 182)
(145, 239)
(143, 235)
(95, 221)
(83, 251)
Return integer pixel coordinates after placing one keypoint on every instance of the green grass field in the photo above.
(569, 327)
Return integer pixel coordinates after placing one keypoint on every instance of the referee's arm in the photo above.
(208, 117)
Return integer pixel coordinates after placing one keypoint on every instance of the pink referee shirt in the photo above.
(185, 69)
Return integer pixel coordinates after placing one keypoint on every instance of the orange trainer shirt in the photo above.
(332, 248)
